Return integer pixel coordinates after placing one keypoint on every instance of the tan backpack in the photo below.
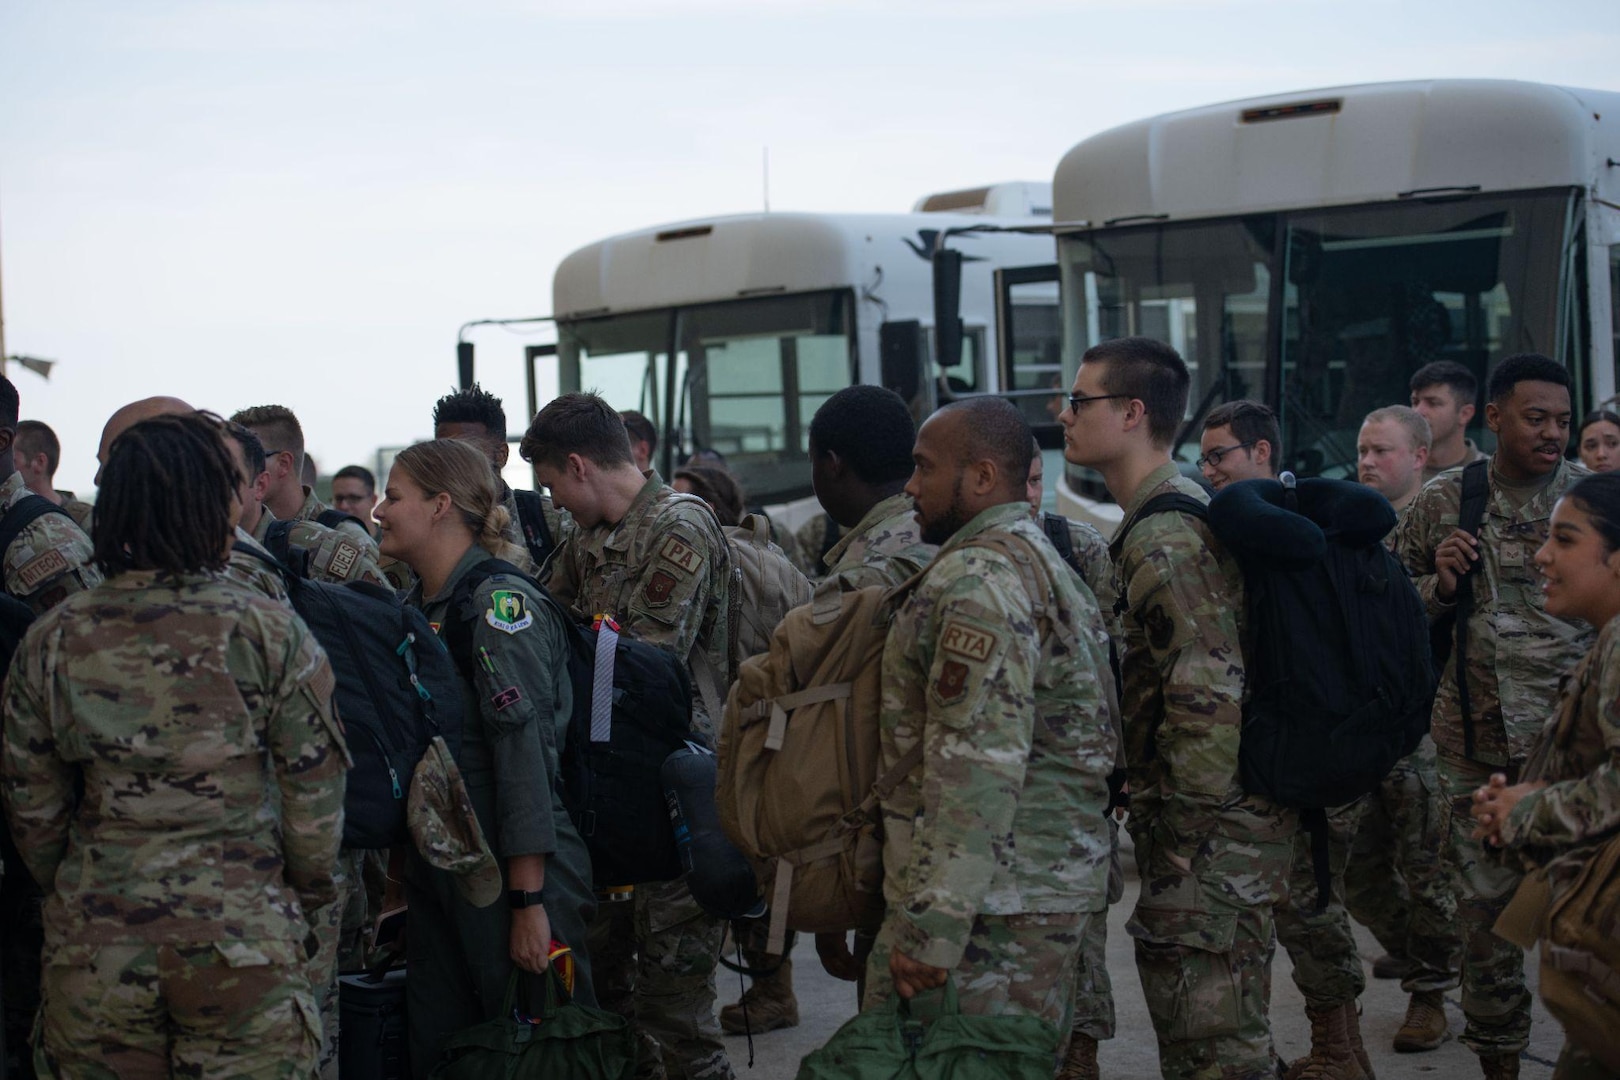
(1580, 956)
(765, 586)
(798, 789)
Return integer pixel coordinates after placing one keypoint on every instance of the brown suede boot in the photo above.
(1352, 1024)
(1080, 1063)
(1500, 1066)
(1332, 1056)
(770, 1003)
(1425, 1025)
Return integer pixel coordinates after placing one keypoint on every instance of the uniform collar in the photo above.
(312, 509)
(1150, 486)
(472, 558)
(131, 580)
(898, 503)
(984, 521)
(262, 530)
(651, 491)
(11, 489)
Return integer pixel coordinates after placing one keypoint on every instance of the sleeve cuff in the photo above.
(916, 943)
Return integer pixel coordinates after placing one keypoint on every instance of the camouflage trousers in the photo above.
(1013, 965)
(653, 959)
(1327, 967)
(1494, 997)
(1093, 989)
(1204, 945)
(238, 1009)
(1396, 883)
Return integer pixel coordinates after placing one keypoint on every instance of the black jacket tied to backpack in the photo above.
(1336, 646)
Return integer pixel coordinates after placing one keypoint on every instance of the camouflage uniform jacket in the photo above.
(1096, 567)
(1007, 693)
(1471, 454)
(558, 522)
(1516, 651)
(1182, 678)
(663, 572)
(50, 560)
(173, 768)
(334, 554)
(1578, 754)
(253, 572)
(80, 511)
(886, 547)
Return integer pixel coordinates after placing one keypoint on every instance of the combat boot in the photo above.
(1352, 1024)
(1080, 1063)
(1425, 1025)
(770, 1004)
(1332, 1055)
(1392, 967)
(1500, 1066)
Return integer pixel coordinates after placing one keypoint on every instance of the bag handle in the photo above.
(559, 983)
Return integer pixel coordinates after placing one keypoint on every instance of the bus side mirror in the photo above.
(900, 355)
(464, 363)
(948, 308)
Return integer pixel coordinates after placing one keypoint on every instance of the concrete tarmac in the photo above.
(825, 1003)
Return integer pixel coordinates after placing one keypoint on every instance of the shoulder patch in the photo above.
(344, 556)
(659, 588)
(952, 683)
(682, 555)
(966, 641)
(509, 611)
(41, 568)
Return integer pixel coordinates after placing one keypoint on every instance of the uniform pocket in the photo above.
(1188, 977)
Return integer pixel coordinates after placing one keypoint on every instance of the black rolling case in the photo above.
(371, 1034)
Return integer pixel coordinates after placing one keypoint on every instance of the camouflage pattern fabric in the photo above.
(663, 572)
(181, 732)
(1517, 652)
(998, 671)
(335, 555)
(1471, 454)
(1213, 860)
(1096, 568)
(1327, 967)
(517, 709)
(808, 541)
(1011, 965)
(885, 548)
(237, 1008)
(80, 511)
(1094, 1013)
(50, 560)
(558, 521)
(354, 529)
(1396, 884)
(254, 573)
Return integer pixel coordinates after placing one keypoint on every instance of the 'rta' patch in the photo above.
(952, 684)
(964, 640)
(1161, 629)
(681, 555)
(40, 569)
(659, 587)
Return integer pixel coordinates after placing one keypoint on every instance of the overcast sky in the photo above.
(300, 202)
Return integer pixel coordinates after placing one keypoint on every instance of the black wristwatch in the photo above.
(517, 898)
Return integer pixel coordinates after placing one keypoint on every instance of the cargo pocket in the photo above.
(1185, 961)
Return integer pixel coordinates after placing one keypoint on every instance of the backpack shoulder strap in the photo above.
(1476, 492)
(278, 542)
(457, 632)
(1170, 502)
(1057, 531)
(532, 521)
(333, 518)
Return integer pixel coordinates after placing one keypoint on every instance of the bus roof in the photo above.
(1343, 145)
(723, 258)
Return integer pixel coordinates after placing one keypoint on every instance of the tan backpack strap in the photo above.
(758, 528)
(778, 708)
(885, 785)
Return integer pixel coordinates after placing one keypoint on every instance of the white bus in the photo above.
(1312, 250)
(729, 332)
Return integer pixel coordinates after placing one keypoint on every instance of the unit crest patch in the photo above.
(509, 611)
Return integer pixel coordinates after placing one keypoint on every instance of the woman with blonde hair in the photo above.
(441, 516)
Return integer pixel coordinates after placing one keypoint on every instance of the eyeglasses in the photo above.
(1213, 458)
(1077, 400)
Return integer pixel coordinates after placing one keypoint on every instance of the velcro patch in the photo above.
(41, 568)
(681, 555)
(343, 559)
(953, 676)
(506, 698)
(968, 641)
(323, 681)
(659, 587)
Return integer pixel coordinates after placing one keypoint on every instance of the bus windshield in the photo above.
(1325, 313)
(742, 378)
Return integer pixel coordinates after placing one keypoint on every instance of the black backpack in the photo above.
(396, 689)
(278, 539)
(611, 784)
(1449, 632)
(532, 520)
(16, 616)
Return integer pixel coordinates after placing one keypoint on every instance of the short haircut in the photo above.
(277, 426)
(472, 405)
(1150, 372)
(1525, 367)
(165, 497)
(1250, 422)
(1409, 418)
(640, 428)
(35, 437)
(717, 487)
(994, 431)
(870, 429)
(360, 473)
(1453, 376)
(577, 423)
(9, 403)
(253, 455)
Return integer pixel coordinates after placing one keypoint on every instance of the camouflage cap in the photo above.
(442, 822)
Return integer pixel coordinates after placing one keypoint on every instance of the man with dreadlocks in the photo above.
(174, 773)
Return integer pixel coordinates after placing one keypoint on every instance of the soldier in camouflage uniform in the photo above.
(518, 700)
(1517, 652)
(657, 562)
(1566, 810)
(995, 849)
(1213, 860)
(813, 542)
(1094, 1018)
(1395, 883)
(174, 772)
(38, 451)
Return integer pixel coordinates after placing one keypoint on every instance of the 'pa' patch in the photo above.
(681, 555)
(508, 611)
(952, 684)
(40, 569)
(968, 641)
(506, 698)
(659, 588)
